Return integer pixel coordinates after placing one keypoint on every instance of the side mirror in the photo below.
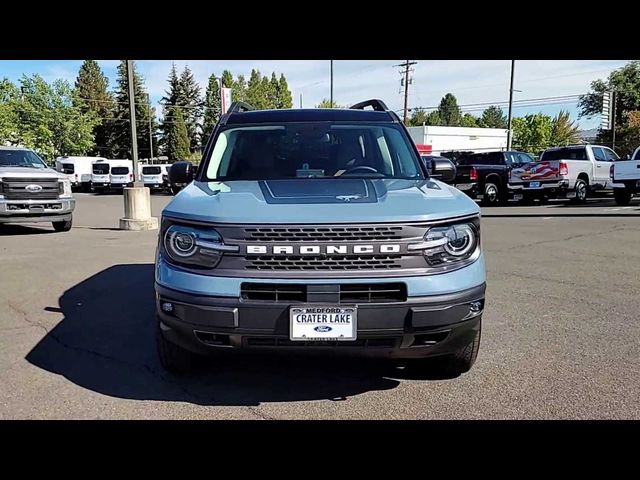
(442, 169)
(181, 173)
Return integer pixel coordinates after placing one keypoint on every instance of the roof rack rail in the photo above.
(377, 105)
(240, 107)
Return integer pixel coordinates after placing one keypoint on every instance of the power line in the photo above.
(407, 68)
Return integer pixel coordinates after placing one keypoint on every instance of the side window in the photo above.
(599, 154)
(511, 158)
(610, 155)
(524, 158)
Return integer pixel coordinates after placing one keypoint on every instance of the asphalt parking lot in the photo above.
(561, 337)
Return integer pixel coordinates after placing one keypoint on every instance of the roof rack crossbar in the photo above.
(377, 105)
(240, 107)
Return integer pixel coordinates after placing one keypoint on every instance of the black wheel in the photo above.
(581, 190)
(63, 226)
(173, 358)
(175, 190)
(449, 366)
(491, 196)
(622, 196)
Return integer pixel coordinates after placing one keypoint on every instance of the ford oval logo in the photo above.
(323, 328)
(33, 188)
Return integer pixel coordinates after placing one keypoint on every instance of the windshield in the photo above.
(20, 158)
(119, 170)
(490, 158)
(67, 168)
(151, 170)
(312, 150)
(101, 168)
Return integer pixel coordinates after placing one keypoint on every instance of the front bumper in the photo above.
(419, 327)
(28, 211)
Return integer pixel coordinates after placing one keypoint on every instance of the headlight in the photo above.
(65, 188)
(450, 245)
(200, 246)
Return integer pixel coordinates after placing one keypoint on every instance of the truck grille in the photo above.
(312, 262)
(345, 293)
(14, 189)
(323, 234)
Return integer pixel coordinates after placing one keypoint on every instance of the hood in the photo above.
(320, 201)
(26, 172)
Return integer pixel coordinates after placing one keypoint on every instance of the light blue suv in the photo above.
(319, 230)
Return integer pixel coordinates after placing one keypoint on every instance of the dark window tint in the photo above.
(101, 168)
(599, 155)
(151, 170)
(490, 158)
(67, 168)
(119, 170)
(20, 158)
(610, 155)
(574, 153)
(524, 158)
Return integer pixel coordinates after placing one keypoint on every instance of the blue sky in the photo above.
(471, 81)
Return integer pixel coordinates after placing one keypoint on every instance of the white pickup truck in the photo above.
(625, 175)
(564, 172)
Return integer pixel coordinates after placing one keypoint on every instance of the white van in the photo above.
(100, 175)
(121, 174)
(155, 176)
(77, 170)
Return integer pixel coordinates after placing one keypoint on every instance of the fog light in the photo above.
(475, 307)
(167, 307)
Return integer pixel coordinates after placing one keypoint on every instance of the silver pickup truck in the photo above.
(564, 172)
(32, 192)
(626, 177)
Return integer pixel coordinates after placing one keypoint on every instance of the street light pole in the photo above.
(509, 135)
(150, 131)
(331, 84)
(132, 119)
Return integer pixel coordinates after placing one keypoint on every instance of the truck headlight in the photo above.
(65, 188)
(193, 245)
(450, 245)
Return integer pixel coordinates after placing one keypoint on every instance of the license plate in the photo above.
(534, 184)
(322, 322)
(518, 196)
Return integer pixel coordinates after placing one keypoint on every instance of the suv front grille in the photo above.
(323, 234)
(346, 293)
(312, 262)
(14, 189)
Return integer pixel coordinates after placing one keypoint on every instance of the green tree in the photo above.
(212, 107)
(169, 100)
(120, 130)
(190, 100)
(449, 112)
(326, 103)
(178, 139)
(273, 91)
(469, 120)
(9, 95)
(532, 133)
(626, 83)
(493, 117)
(564, 131)
(239, 93)
(284, 94)
(434, 118)
(418, 117)
(227, 79)
(92, 95)
(256, 95)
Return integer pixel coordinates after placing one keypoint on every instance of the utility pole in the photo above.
(509, 135)
(132, 118)
(613, 121)
(300, 100)
(407, 68)
(150, 131)
(331, 83)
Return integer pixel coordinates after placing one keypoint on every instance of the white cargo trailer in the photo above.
(445, 139)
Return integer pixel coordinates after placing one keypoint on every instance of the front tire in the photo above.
(491, 196)
(173, 358)
(581, 190)
(63, 226)
(622, 196)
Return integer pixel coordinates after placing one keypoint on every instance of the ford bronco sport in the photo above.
(318, 230)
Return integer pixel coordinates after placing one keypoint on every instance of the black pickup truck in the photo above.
(485, 176)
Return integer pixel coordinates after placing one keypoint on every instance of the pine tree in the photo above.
(227, 79)
(239, 93)
(178, 138)
(493, 117)
(284, 95)
(265, 89)
(120, 129)
(171, 99)
(212, 108)
(254, 96)
(449, 111)
(92, 96)
(469, 120)
(189, 98)
(274, 88)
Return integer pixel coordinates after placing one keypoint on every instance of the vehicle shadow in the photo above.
(563, 208)
(15, 229)
(106, 343)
